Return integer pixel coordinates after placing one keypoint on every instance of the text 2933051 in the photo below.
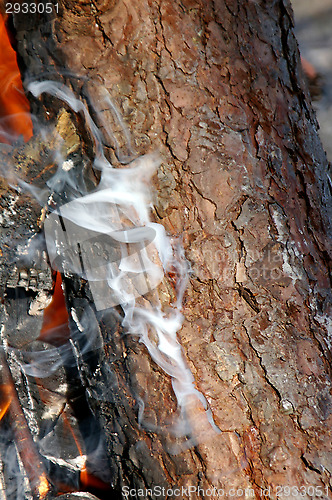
(31, 8)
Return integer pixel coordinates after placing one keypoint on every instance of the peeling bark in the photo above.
(217, 89)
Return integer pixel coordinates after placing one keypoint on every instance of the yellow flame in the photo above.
(43, 486)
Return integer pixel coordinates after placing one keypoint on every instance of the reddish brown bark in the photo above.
(216, 88)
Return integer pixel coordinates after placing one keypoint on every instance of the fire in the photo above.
(5, 399)
(14, 106)
(43, 487)
(55, 329)
(88, 481)
(15, 121)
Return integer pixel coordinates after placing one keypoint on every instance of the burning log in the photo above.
(239, 181)
(31, 460)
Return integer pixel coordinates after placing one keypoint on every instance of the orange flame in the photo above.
(55, 329)
(87, 480)
(43, 487)
(5, 399)
(14, 106)
(78, 445)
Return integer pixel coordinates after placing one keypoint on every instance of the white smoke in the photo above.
(135, 253)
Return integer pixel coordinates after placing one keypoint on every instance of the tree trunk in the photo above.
(216, 88)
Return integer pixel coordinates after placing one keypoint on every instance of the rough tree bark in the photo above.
(216, 87)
